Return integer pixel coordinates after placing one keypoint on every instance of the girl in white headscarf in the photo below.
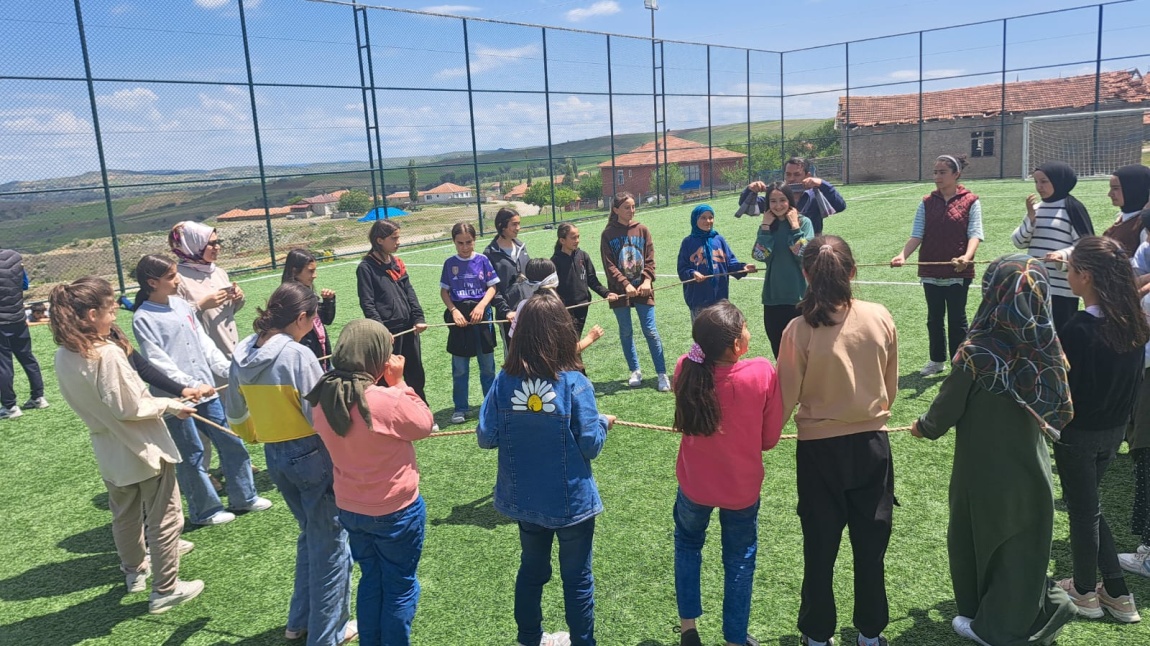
(205, 284)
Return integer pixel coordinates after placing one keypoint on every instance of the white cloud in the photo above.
(212, 4)
(132, 99)
(450, 8)
(603, 8)
(485, 59)
(43, 121)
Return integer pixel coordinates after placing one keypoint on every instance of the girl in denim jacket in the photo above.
(541, 415)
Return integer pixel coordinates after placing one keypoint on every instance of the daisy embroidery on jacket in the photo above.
(536, 397)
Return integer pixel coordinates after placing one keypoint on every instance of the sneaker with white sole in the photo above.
(220, 518)
(932, 368)
(350, 632)
(259, 504)
(292, 635)
(435, 428)
(961, 625)
(37, 402)
(458, 417)
(554, 639)
(1086, 605)
(137, 581)
(664, 382)
(185, 591)
(1121, 607)
(635, 379)
(1137, 562)
(10, 413)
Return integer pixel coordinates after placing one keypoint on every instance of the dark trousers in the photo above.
(1061, 309)
(775, 320)
(15, 339)
(575, 570)
(579, 315)
(408, 347)
(1082, 458)
(845, 481)
(945, 318)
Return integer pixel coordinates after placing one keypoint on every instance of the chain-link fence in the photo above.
(282, 124)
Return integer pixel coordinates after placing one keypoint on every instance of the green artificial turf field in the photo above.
(59, 580)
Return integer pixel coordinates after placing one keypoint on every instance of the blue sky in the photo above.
(205, 121)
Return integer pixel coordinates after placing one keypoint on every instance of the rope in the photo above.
(913, 264)
(655, 427)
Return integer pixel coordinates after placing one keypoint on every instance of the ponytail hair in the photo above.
(715, 330)
(1123, 326)
(563, 230)
(296, 261)
(71, 303)
(150, 267)
(829, 267)
(285, 305)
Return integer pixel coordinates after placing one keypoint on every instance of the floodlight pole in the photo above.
(653, 6)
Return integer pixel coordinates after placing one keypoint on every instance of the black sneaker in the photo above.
(689, 637)
(751, 641)
(805, 641)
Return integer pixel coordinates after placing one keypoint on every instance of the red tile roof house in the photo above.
(324, 204)
(447, 193)
(633, 170)
(239, 215)
(884, 130)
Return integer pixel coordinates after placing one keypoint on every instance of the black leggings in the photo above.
(949, 303)
(775, 320)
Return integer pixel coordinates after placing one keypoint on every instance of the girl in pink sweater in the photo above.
(729, 412)
(368, 430)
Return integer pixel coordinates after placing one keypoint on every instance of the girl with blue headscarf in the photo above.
(706, 258)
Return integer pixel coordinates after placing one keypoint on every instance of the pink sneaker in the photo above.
(1121, 608)
(1086, 605)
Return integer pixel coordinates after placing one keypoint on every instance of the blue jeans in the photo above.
(192, 473)
(740, 529)
(461, 373)
(387, 549)
(321, 600)
(575, 570)
(626, 336)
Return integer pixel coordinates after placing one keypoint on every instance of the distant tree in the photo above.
(449, 176)
(529, 174)
(674, 179)
(569, 170)
(736, 175)
(538, 193)
(591, 188)
(565, 196)
(353, 201)
(412, 191)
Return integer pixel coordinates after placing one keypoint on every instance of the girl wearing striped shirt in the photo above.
(1050, 229)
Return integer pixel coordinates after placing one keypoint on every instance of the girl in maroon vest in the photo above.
(948, 226)
(1129, 191)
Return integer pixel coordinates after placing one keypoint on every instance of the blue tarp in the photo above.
(378, 212)
(691, 185)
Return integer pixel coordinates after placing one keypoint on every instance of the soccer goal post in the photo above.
(1093, 143)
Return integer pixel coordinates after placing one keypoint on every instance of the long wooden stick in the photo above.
(188, 399)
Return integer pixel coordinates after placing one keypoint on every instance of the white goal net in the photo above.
(1093, 143)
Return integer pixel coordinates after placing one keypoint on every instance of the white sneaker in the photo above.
(435, 428)
(259, 504)
(458, 417)
(219, 519)
(635, 379)
(961, 626)
(10, 413)
(664, 382)
(38, 402)
(1136, 563)
(185, 591)
(137, 581)
(932, 368)
(350, 632)
(554, 639)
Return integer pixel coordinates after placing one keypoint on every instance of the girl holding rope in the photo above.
(467, 287)
(729, 411)
(543, 406)
(576, 275)
(948, 226)
(707, 259)
(839, 374)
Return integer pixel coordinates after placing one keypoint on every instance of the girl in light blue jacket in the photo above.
(541, 415)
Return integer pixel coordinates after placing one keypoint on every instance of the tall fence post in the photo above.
(547, 101)
(374, 115)
(611, 122)
(1002, 117)
(920, 159)
(471, 112)
(99, 146)
(1094, 165)
(367, 122)
(710, 144)
(782, 113)
(749, 171)
(256, 132)
(847, 130)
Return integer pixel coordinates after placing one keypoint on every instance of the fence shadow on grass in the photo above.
(480, 513)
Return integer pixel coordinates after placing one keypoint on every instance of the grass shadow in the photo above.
(62, 578)
(91, 619)
(916, 382)
(100, 501)
(268, 637)
(925, 629)
(186, 631)
(480, 513)
(97, 540)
